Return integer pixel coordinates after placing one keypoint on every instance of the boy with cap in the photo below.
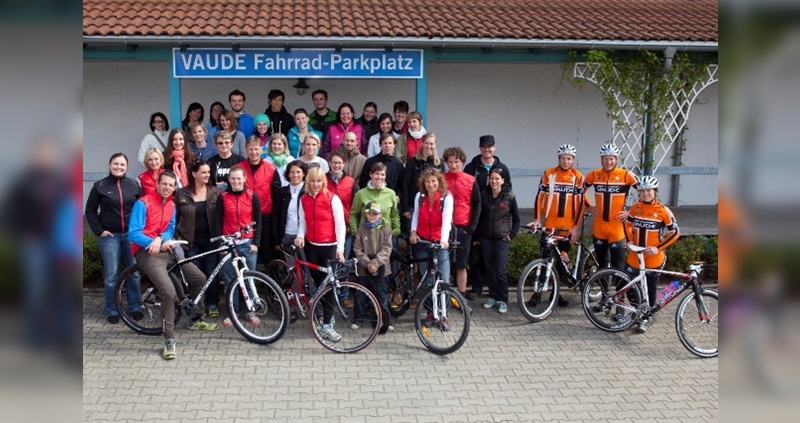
(372, 247)
(479, 167)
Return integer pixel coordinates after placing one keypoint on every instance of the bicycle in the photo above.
(543, 277)
(444, 326)
(699, 334)
(260, 295)
(356, 332)
(402, 289)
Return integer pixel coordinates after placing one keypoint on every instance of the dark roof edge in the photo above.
(394, 42)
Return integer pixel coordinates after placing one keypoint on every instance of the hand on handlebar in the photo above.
(340, 256)
(535, 225)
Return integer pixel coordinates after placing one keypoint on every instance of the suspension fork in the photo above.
(239, 264)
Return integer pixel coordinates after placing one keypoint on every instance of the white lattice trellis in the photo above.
(629, 137)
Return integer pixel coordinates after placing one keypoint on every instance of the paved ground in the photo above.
(509, 370)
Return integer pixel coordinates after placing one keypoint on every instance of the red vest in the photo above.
(148, 181)
(344, 190)
(260, 182)
(460, 185)
(320, 226)
(412, 145)
(157, 218)
(429, 221)
(238, 212)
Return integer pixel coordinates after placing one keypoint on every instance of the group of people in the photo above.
(338, 187)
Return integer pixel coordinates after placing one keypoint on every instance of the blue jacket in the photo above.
(295, 143)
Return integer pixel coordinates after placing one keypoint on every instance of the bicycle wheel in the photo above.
(536, 289)
(400, 291)
(607, 313)
(697, 323)
(351, 330)
(448, 333)
(134, 293)
(280, 272)
(267, 319)
(587, 266)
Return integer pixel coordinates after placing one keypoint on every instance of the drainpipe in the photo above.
(669, 53)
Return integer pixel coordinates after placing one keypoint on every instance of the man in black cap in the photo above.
(481, 164)
(479, 167)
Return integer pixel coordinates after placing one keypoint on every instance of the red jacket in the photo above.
(262, 182)
(158, 217)
(345, 189)
(320, 224)
(460, 185)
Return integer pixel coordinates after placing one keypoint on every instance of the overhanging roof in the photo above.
(629, 24)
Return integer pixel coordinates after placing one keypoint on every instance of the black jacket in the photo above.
(499, 215)
(280, 206)
(411, 174)
(114, 197)
(281, 121)
(394, 172)
(476, 169)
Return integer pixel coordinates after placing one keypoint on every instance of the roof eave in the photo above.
(395, 42)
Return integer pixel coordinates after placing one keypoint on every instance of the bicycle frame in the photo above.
(645, 310)
(330, 279)
(551, 242)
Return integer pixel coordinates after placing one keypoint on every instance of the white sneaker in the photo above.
(354, 326)
(327, 332)
(390, 328)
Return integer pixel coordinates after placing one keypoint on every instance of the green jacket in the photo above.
(386, 197)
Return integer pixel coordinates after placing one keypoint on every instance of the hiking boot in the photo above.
(502, 307)
(137, 315)
(169, 352)
(113, 319)
(327, 332)
(201, 325)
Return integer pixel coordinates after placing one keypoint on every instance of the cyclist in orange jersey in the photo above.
(611, 185)
(559, 202)
(649, 224)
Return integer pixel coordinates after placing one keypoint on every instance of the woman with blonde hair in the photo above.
(427, 157)
(154, 161)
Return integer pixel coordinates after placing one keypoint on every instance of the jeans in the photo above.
(230, 274)
(421, 252)
(207, 264)
(381, 291)
(495, 261)
(344, 293)
(112, 249)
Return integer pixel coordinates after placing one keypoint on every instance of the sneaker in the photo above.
(489, 303)
(327, 332)
(251, 317)
(390, 328)
(469, 295)
(113, 319)
(227, 322)
(535, 298)
(355, 326)
(562, 302)
(169, 352)
(204, 326)
(137, 315)
(347, 303)
(502, 307)
(213, 311)
(643, 325)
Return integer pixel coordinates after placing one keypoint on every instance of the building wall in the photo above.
(523, 105)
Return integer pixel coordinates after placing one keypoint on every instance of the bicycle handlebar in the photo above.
(437, 245)
(236, 235)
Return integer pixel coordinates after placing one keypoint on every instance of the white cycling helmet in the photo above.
(609, 150)
(567, 149)
(646, 182)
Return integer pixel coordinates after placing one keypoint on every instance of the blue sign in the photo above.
(297, 63)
